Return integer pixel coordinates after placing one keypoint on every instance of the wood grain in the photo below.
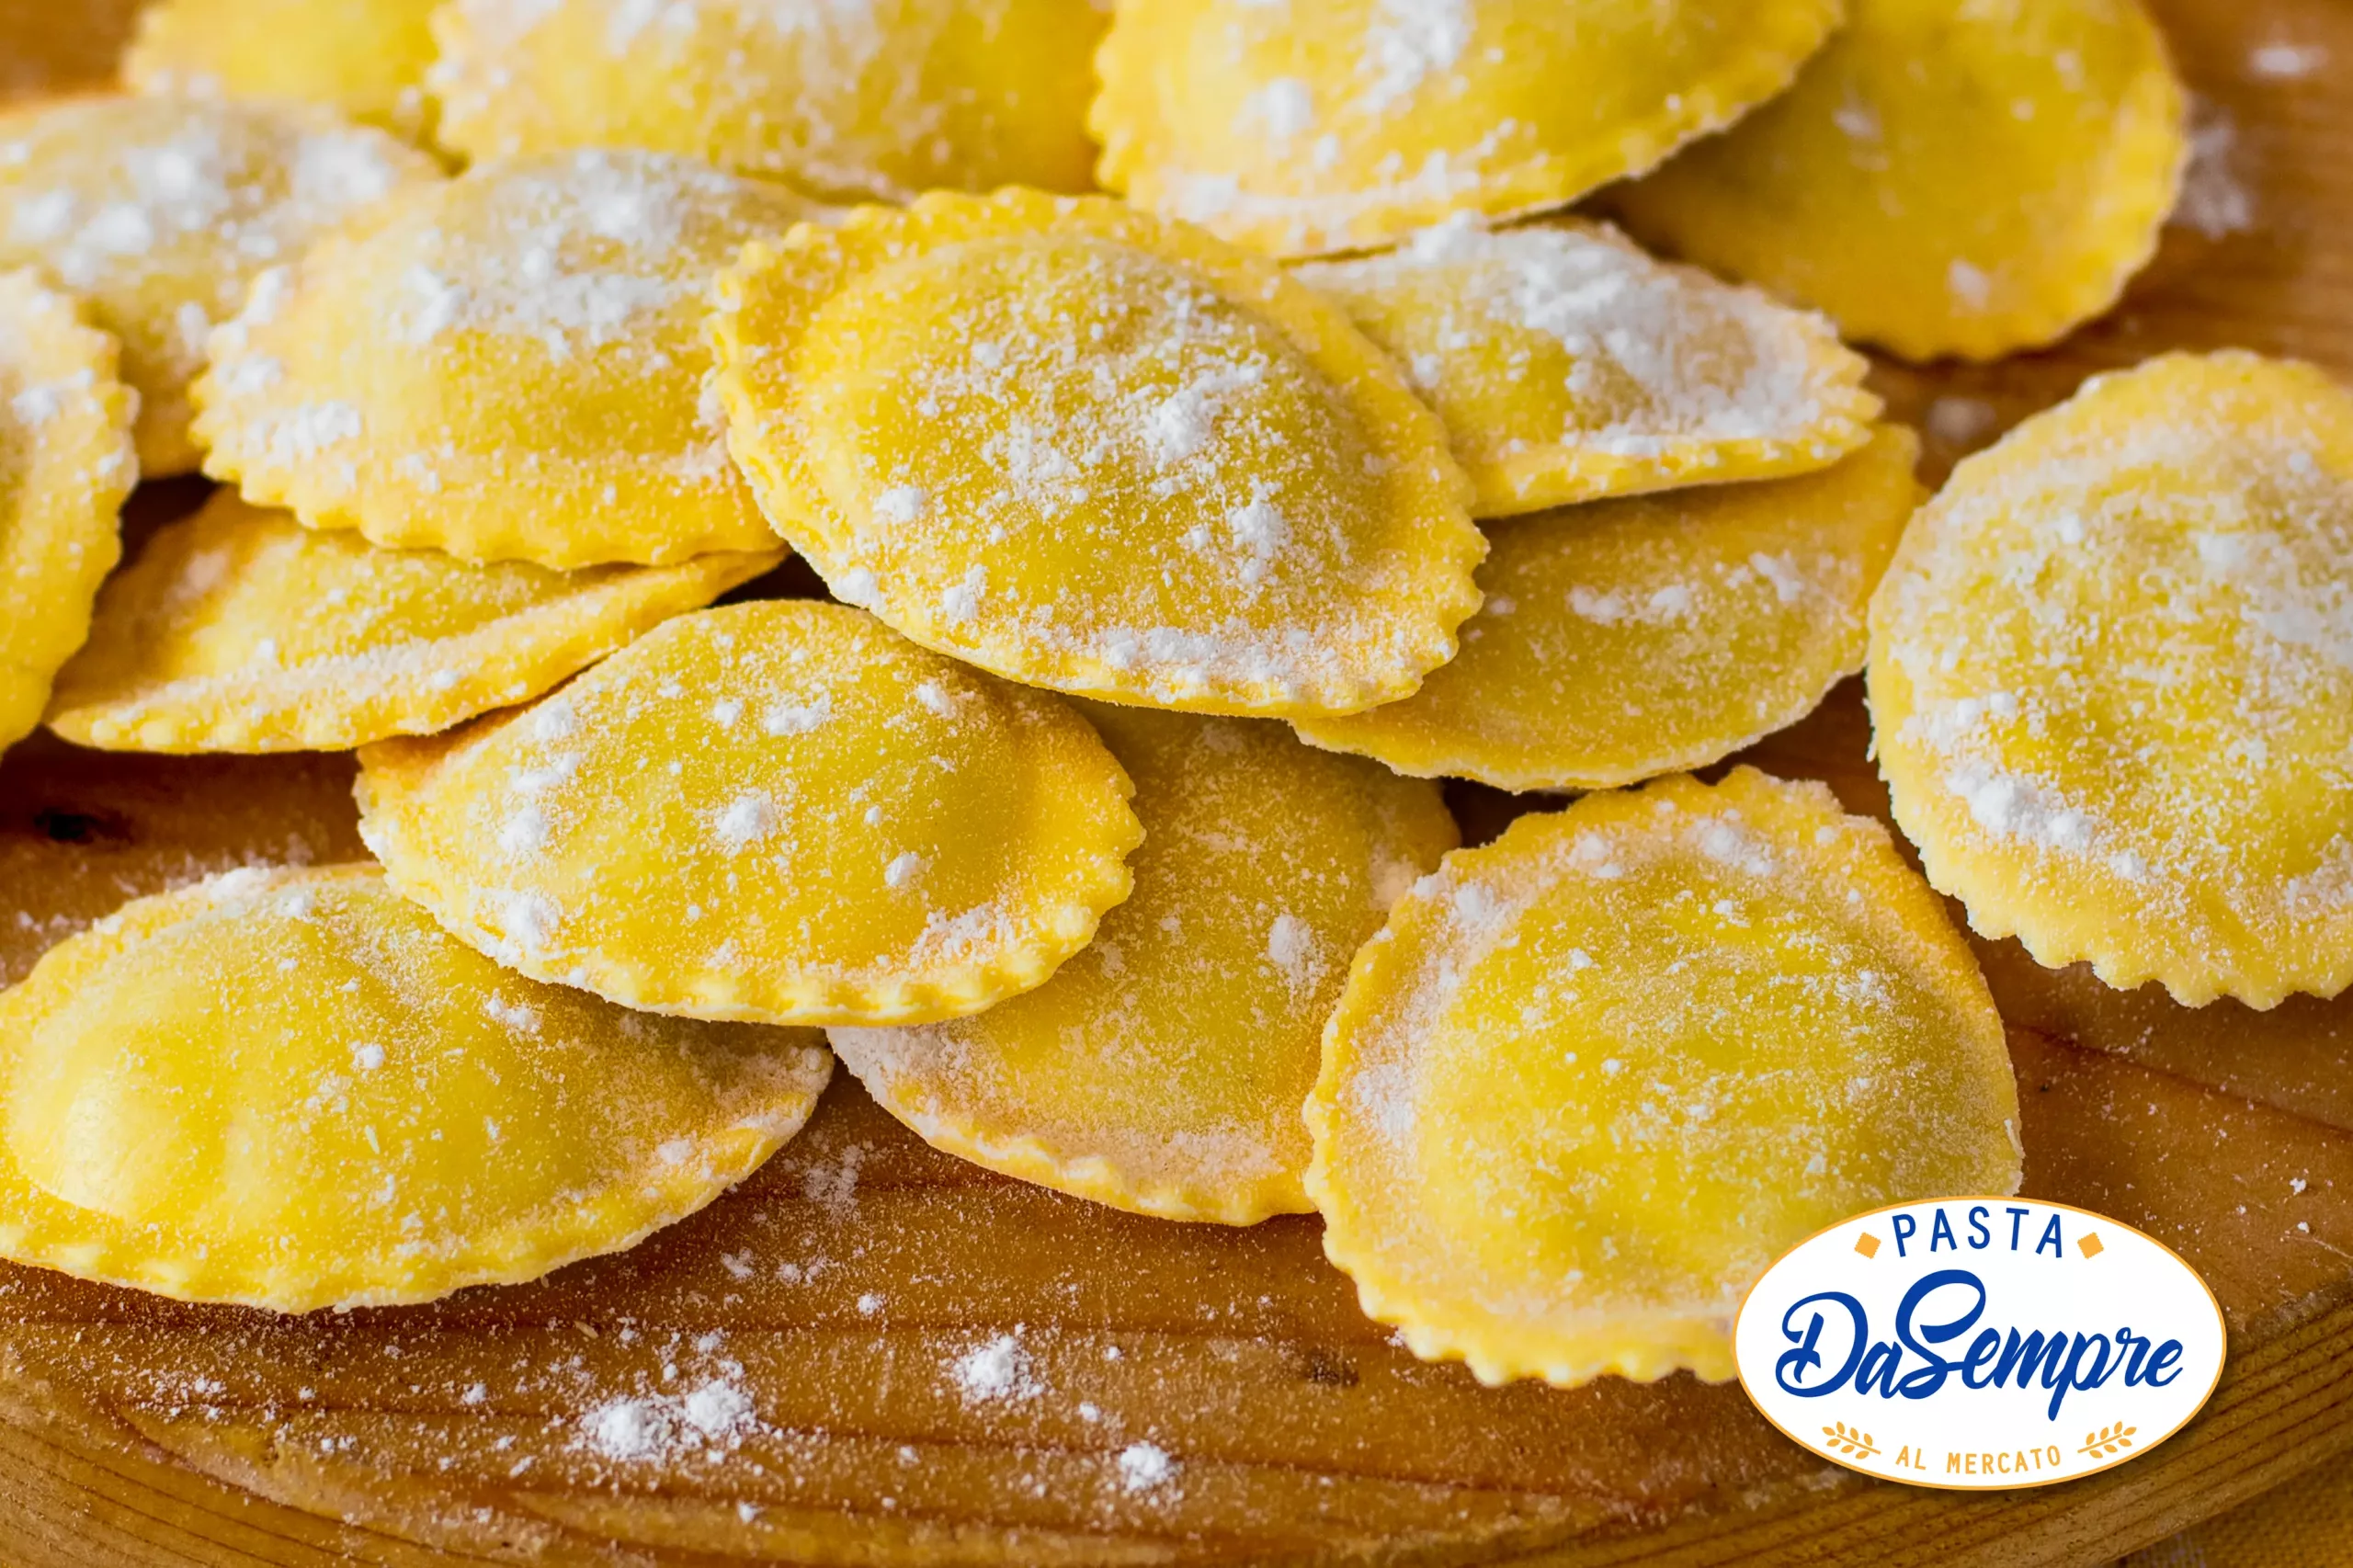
(837, 1289)
(50, 46)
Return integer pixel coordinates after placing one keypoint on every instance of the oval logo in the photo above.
(1978, 1343)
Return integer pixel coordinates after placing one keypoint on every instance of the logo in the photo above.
(1978, 1343)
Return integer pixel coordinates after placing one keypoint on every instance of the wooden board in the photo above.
(835, 1291)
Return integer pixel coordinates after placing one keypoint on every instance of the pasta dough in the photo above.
(1593, 1077)
(1144, 467)
(238, 630)
(66, 463)
(366, 58)
(290, 1089)
(776, 811)
(506, 367)
(1626, 638)
(878, 100)
(159, 211)
(2113, 688)
(1946, 177)
(1162, 1069)
(1312, 126)
(1569, 366)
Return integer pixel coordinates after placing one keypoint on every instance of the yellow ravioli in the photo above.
(1946, 177)
(1624, 639)
(366, 58)
(1161, 1070)
(239, 629)
(1592, 1078)
(1092, 451)
(508, 366)
(1311, 126)
(880, 99)
(291, 1089)
(1569, 366)
(160, 210)
(776, 811)
(67, 465)
(2111, 679)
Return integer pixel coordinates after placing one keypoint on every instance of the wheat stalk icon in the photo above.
(2107, 1441)
(1852, 1441)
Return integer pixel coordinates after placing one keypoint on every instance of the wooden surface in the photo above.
(837, 1290)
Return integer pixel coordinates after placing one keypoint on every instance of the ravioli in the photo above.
(67, 465)
(2111, 680)
(238, 630)
(365, 58)
(1161, 1071)
(1625, 639)
(1946, 177)
(776, 811)
(1569, 366)
(1592, 1078)
(1142, 466)
(158, 212)
(1309, 126)
(291, 1089)
(876, 100)
(505, 367)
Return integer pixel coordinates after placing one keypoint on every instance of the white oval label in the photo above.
(1978, 1343)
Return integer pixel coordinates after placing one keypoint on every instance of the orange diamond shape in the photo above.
(1868, 1245)
(2090, 1245)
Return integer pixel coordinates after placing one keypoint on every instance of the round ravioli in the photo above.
(364, 57)
(1592, 1078)
(1569, 366)
(291, 1089)
(879, 100)
(160, 210)
(1946, 177)
(239, 629)
(67, 465)
(508, 366)
(1161, 1070)
(1625, 639)
(776, 811)
(1092, 451)
(2111, 678)
(1305, 126)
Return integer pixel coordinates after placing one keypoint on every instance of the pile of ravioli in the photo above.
(1211, 423)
